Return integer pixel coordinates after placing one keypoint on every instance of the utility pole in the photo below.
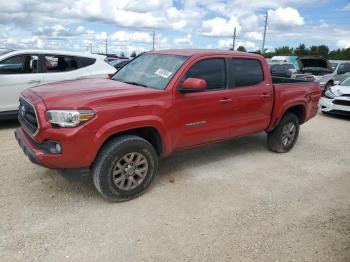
(263, 43)
(154, 34)
(91, 48)
(234, 40)
(106, 46)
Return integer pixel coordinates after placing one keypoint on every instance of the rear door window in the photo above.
(60, 63)
(85, 61)
(246, 72)
(54, 64)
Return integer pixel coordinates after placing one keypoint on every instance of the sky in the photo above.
(128, 25)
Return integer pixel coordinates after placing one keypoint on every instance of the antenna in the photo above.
(154, 34)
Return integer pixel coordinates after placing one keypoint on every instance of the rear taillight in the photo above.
(109, 76)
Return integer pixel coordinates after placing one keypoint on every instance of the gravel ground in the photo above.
(231, 201)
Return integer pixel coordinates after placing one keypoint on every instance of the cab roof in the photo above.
(192, 52)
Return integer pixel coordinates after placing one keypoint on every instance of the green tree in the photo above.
(133, 54)
(241, 48)
(301, 50)
(284, 50)
(323, 50)
(122, 54)
(314, 50)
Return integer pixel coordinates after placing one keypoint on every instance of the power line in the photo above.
(263, 43)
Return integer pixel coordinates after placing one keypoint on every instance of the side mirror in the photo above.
(336, 83)
(192, 84)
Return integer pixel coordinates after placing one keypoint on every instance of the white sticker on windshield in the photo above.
(163, 73)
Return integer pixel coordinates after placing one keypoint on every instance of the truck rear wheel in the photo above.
(285, 135)
(124, 168)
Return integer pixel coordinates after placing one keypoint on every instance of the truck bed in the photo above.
(289, 92)
(285, 80)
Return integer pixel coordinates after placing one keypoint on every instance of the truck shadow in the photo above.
(340, 117)
(8, 123)
(173, 166)
(178, 162)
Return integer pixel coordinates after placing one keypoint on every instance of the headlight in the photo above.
(69, 118)
(329, 94)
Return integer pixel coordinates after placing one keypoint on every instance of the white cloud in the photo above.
(347, 7)
(283, 18)
(255, 36)
(138, 37)
(343, 43)
(101, 36)
(220, 27)
(227, 44)
(67, 24)
(184, 41)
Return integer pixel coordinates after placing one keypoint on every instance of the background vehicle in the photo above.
(341, 70)
(282, 70)
(27, 68)
(313, 68)
(337, 99)
(286, 59)
(119, 63)
(159, 102)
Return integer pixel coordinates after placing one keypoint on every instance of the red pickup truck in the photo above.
(159, 102)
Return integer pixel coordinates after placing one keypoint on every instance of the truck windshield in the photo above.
(150, 70)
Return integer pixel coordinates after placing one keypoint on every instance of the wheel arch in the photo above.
(149, 133)
(299, 109)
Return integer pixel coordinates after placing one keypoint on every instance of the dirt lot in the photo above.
(232, 201)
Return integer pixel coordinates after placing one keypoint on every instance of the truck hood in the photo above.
(88, 92)
(314, 65)
(340, 90)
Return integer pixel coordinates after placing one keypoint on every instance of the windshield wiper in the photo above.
(134, 83)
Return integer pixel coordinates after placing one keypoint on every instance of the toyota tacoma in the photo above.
(159, 102)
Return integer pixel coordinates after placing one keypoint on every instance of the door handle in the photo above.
(225, 100)
(34, 81)
(265, 95)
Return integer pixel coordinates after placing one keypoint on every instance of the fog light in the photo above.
(55, 148)
(58, 148)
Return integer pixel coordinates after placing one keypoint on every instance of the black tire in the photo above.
(276, 138)
(109, 159)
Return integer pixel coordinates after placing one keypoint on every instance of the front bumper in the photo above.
(72, 155)
(26, 146)
(327, 106)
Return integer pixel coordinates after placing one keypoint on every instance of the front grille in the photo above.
(342, 102)
(27, 117)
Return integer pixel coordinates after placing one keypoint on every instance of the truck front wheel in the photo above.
(285, 135)
(124, 168)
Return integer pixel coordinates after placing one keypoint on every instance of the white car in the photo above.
(23, 69)
(337, 99)
(341, 71)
